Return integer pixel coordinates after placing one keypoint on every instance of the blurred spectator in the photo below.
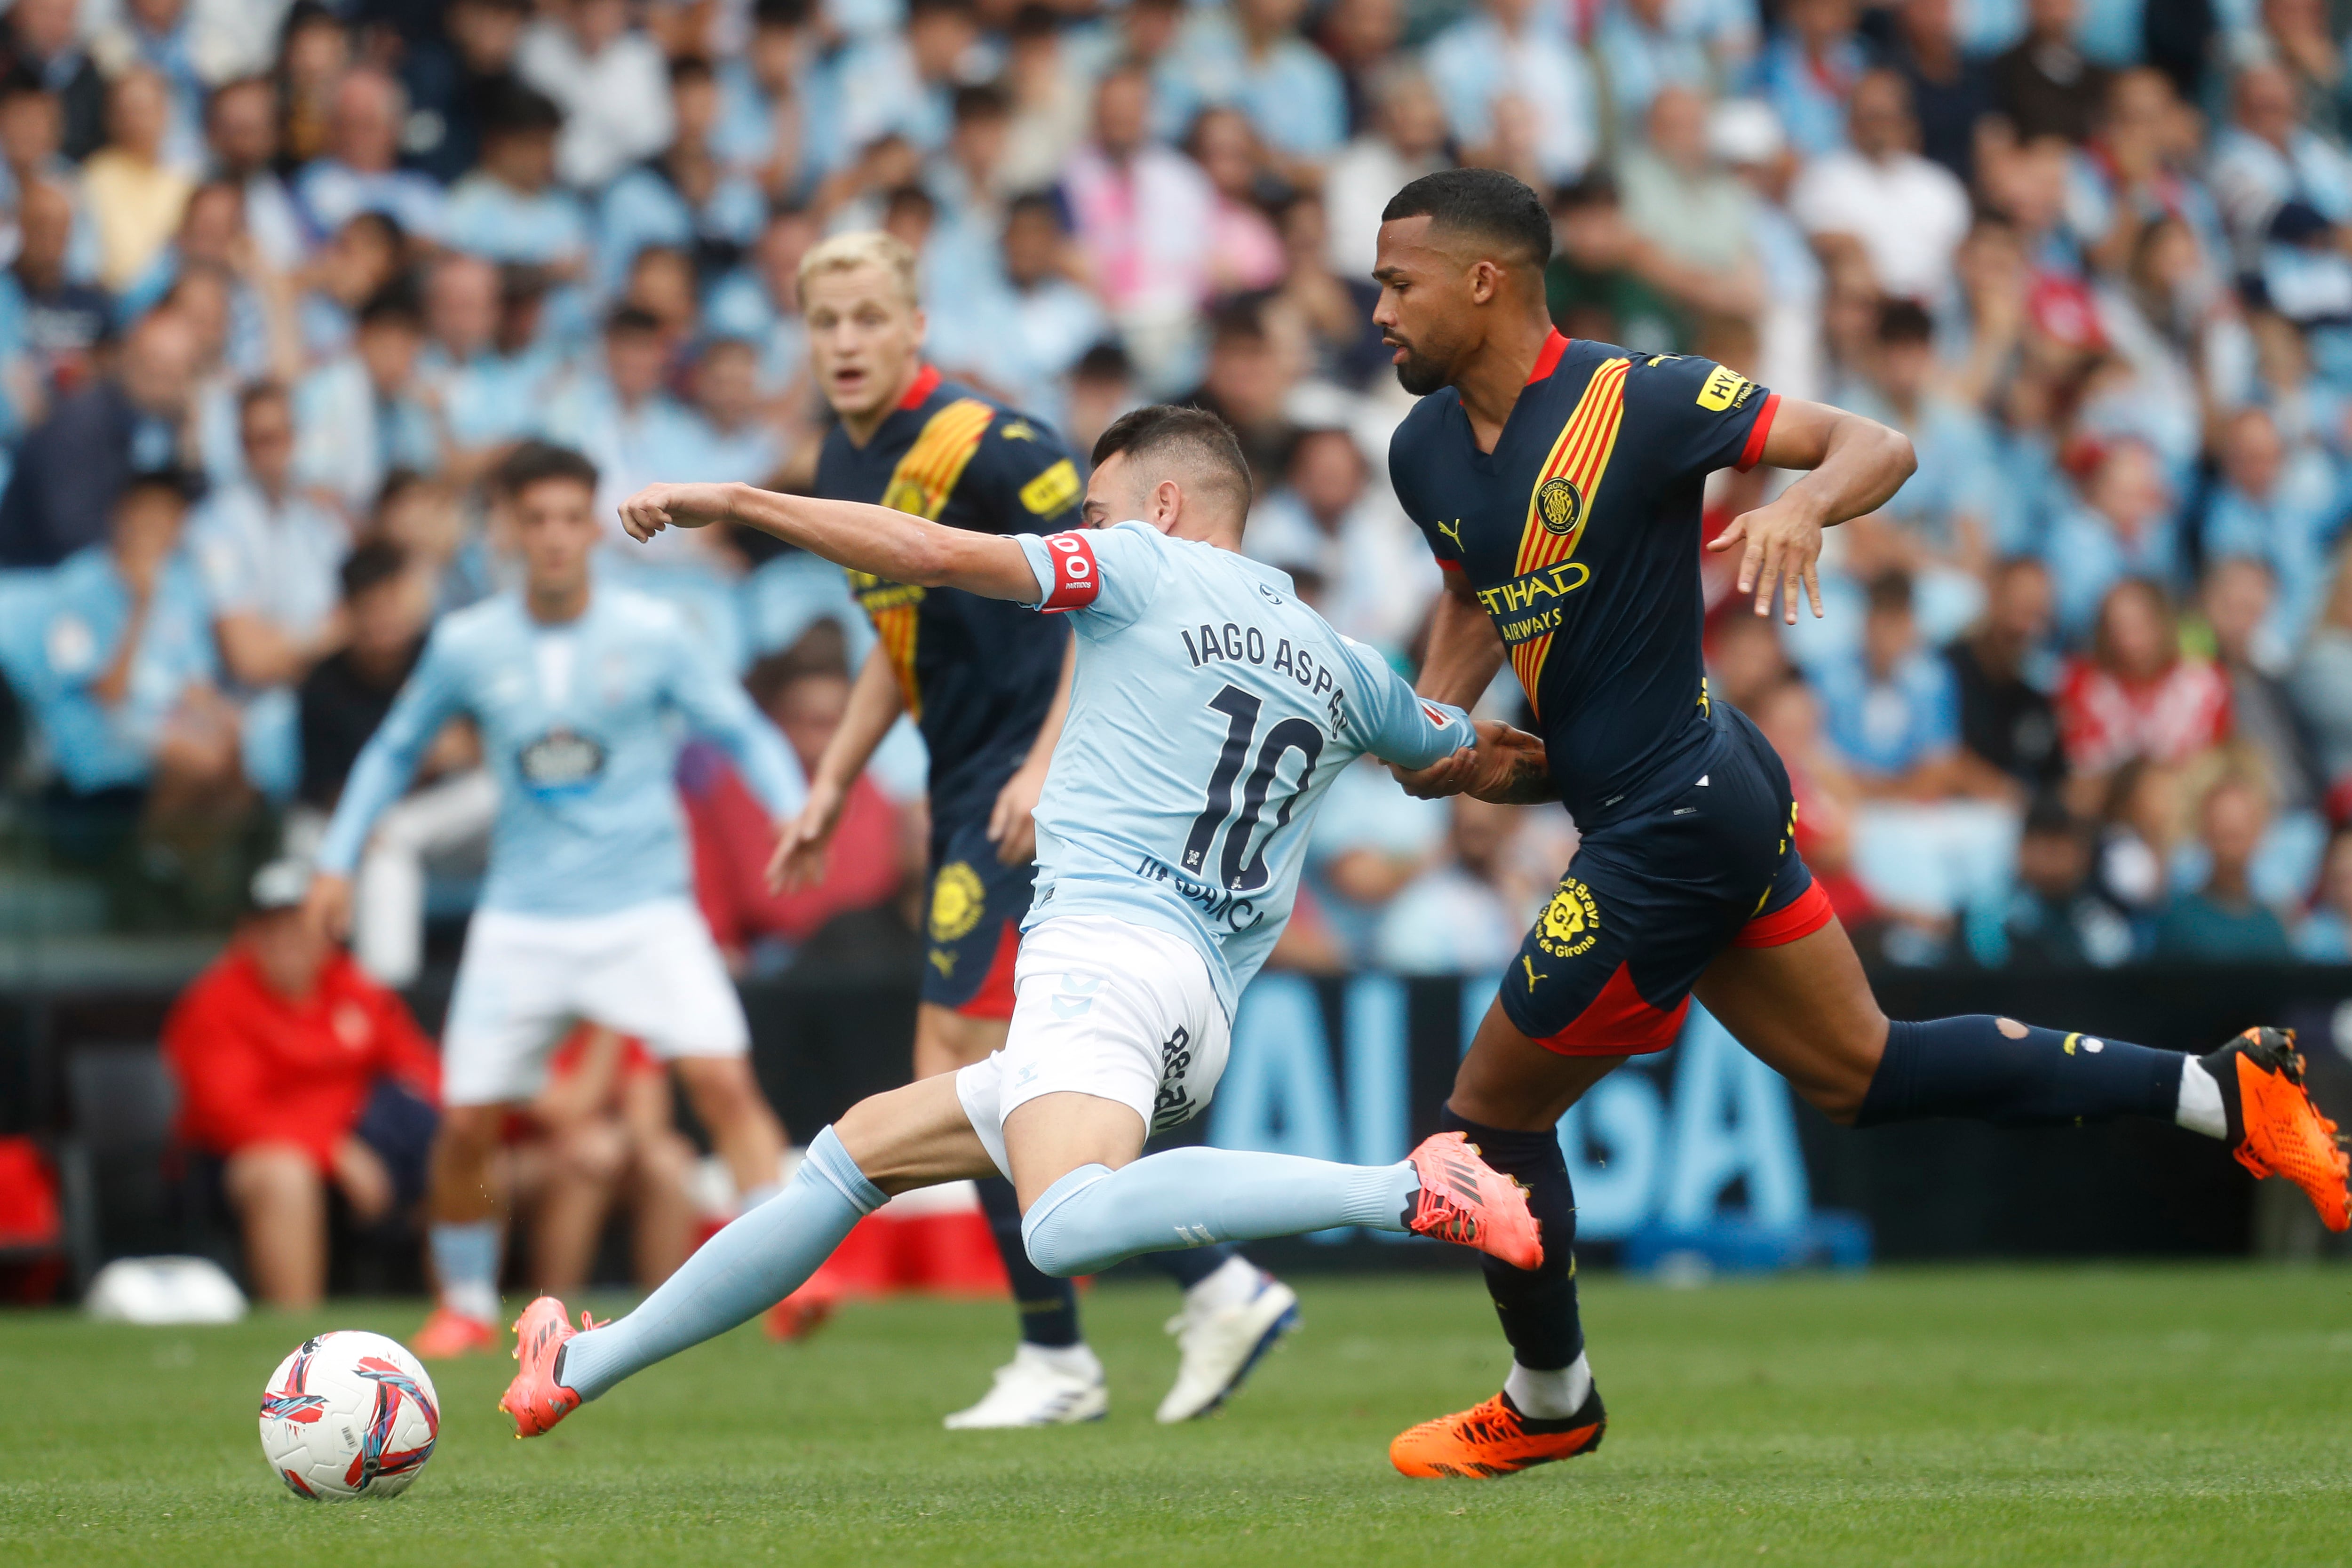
(71, 467)
(61, 323)
(2321, 681)
(2325, 934)
(900, 81)
(2054, 918)
(1102, 387)
(2223, 922)
(2043, 83)
(452, 79)
(1244, 253)
(2000, 673)
(1893, 713)
(1370, 842)
(360, 170)
(603, 1131)
(1826, 794)
(1405, 140)
(346, 694)
(611, 81)
(2122, 527)
(241, 131)
(1593, 284)
(1247, 384)
(269, 555)
(1145, 217)
(134, 195)
(1745, 660)
(1810, 71)
(2279, 508)
(1289, 89)
(363, 415)
(804, 691)
(2269, 170)
(510, 208)
(301, 1076)
(1372, 576)
(2141, 827)
(1642, 46)
(127, 688)
(1951, 92)
(1466, 914)
(2136, 695)
(1906, 214)
(1681, 201)
(44, 41)
(621, 412)
(1517, 91)
(1335, 311)
(2235, 598)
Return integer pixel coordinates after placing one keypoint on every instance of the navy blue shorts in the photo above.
(1649, 901)
(973, 920)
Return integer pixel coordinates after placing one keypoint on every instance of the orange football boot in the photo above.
(2274, 1128)
(536, 1399)
(448, 1334)
(800, 1314)
(1463, 1200)
(1494, 1439)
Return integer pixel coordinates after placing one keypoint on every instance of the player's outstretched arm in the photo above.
(1856, 465)
(1465, 650)
(890, 544)
(1507, 767)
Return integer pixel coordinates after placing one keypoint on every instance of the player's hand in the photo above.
(328, 905)
(804, 846)
(658, 507)
(1010, 826)
(1784, 551)
(1506, 764)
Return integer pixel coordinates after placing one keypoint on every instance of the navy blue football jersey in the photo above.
(977, 673)
(1579, 533)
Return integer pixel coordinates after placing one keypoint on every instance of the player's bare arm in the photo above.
(1857, 464)
(875, 704)
(892, 544)
(1010, 827)
(1464, 648)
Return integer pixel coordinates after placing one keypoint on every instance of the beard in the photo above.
(1419, 374)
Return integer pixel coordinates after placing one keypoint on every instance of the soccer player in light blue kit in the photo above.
(587, 913)
(1209, 712)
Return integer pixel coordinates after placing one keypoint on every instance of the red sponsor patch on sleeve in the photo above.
(1077, 577)
(1436, 716)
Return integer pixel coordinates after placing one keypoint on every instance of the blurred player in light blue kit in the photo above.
(1209, 711)
(587, 913)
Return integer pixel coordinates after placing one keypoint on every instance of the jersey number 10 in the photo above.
(1237, 869)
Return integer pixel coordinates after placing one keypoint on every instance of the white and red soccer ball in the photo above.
(349, 1414)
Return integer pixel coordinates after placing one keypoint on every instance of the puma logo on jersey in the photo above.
(1452, 531)
(1529, 965)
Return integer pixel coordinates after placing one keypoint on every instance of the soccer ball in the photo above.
(347, 1413)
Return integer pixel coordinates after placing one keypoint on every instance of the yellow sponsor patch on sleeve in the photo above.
(1722, 390)
(1052, 490)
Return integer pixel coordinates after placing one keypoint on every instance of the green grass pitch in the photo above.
(2079, 1415)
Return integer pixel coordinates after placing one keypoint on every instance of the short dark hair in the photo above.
(2048, 815)
(394, 305)
(633, 318)
(979, 101)
(690, 68)
(371, 563)
(1044, 202)
(535, 461)
(1194, 434)
(821, 653)
(1890, 590)
(1485, 205)
(265, 390)
(1905, 322)
(515, 110)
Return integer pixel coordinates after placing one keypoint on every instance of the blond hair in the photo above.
(863, 247)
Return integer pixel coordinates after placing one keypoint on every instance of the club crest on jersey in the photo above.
(1572, 921)
(1558, 506)
(958, 899)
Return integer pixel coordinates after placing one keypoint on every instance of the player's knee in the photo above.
(1068, 1231)
(271, 1176)
(1840, 1082)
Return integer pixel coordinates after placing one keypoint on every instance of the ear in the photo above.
(1486, 281)
(1167, 505)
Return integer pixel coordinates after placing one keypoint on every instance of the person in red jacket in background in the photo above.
(804, 690)
(294, 1068)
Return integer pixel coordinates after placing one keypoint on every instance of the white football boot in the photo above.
(1221, 1344)
(1031, 1390)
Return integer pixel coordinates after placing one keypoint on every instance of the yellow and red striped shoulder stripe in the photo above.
(1580, 456)
(923, 483)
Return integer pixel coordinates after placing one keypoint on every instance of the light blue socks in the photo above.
(762, 1258)
(465, 1264)
(1096, 1217)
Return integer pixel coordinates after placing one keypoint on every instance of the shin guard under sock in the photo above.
(1537, 1306)
(2015, 1075)
(1048, 1307)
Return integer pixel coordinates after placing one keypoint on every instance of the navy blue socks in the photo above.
(1048, 1307)
(1537, 1306)
(2014, 1074)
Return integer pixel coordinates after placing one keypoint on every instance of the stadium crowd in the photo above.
(284, 282)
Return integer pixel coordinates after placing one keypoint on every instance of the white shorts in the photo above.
(650, 969)
(1122, 1011)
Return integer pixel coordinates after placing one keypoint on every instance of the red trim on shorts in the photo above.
(1801, 917)
(1547, 360)
(927, 381)
(1759, 433)
(1619, 1023)
(994, 997)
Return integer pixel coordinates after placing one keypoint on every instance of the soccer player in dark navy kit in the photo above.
(1559, 483)
(988, 682)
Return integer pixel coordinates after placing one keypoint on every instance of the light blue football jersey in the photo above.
(1209, 712)
(580, 726)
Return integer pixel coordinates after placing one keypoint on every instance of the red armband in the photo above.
(1076, 578)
